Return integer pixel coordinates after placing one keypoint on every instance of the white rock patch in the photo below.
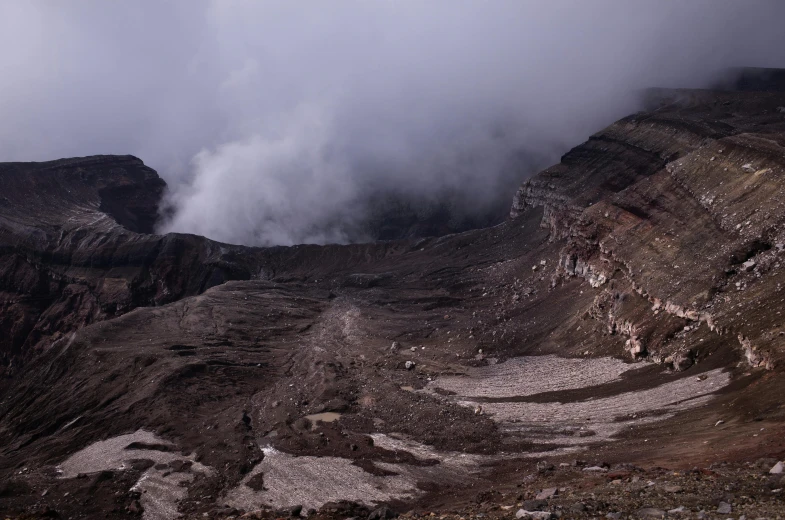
(313, 481)
(573, 423)
(563, 423)
(532, 375)
(160, 494)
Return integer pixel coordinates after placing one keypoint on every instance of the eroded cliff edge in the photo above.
(682, 208)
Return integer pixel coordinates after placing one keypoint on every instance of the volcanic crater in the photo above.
(621, 331)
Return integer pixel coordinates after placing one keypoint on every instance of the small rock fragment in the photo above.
(382, 513)
(135, 508)
(595, 469)
(651, 512)
(724, 508)
(409, 365)
(778, 468)
(537, 515)
(534, 505)
(141, 464)
(547, 493)
(544, 466)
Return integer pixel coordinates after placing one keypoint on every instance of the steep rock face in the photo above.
(682, 208)
(69, 193)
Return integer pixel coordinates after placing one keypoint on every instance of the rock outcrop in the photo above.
(76, 247)
(682, 210)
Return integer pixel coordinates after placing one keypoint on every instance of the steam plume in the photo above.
(282, 122)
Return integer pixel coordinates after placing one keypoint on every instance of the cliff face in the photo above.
(631, 304)
(682, 209)
(75, 248)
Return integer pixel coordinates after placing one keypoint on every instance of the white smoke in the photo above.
(276, 122)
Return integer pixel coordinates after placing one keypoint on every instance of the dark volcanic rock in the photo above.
(383, 513)
(75, 248)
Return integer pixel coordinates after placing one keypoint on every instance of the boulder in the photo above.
(534, 505)
(547, 493)
(135, 508)
(544, 466)
(595, 469)
(382, 513)
(537, 515)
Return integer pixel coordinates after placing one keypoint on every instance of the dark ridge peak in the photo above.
(758, 79)
(122, 187)
(74, 162)
(737, 84)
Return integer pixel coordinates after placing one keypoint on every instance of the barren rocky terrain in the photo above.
(613, 349)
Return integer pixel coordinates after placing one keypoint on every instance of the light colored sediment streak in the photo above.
(161, 490)
(452, 466)
(593, 420)
(111, 454)
(313, 481)
(525, 376)
(161, 493)
(425, 452)
(579, 422)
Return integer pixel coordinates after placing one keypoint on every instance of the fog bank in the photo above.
(286, 122)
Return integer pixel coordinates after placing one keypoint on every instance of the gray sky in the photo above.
(273, 121)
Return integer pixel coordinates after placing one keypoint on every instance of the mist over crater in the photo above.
(274, 124)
